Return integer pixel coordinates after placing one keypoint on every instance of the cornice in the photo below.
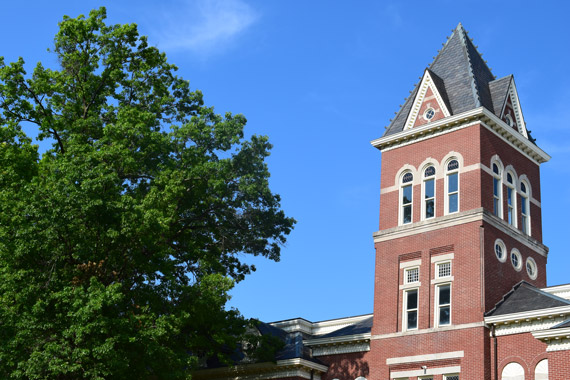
(552, 333)
(337, 340)
(455, 122)
(469, 216)
(539, 314)
(315, 328)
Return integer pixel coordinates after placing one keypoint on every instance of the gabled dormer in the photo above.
(431, 102)
(506, 104)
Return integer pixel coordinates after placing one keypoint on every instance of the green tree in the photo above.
(118, 245)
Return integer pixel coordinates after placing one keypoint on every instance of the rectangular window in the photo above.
(524, 215)
(407, 204)
(510, 200)
(451, 377)
(443, 270)
(429, 198)
(411, 317)
(453, 192)
(412, 275)
(496, 197)
(444, 305)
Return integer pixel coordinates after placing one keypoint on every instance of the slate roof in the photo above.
(525, 297)
(465, 78)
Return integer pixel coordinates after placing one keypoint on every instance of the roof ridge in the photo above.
(474, 85)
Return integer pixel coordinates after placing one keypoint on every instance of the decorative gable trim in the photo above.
(427, 82)
(513, 94)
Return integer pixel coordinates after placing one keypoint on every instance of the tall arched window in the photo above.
(541, 370)
(525, 208)
(497, 190)
(428, 205)
(513, 371)
(452, 186)
(406, 198)
(511, 200)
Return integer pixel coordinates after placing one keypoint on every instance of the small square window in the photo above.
(444, 269)
(451, 377)
(412, 275)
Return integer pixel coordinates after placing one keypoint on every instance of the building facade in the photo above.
(460, 286)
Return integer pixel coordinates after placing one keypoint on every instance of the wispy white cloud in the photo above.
(203, 26)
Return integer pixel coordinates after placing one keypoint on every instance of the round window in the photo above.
(500, 250)
(516, 259)
(429, 114)
(531, 268)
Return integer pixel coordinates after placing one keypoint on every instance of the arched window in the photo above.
(541, 370)
(497, 190)
(428, 205)
(513, 371)
(511, 200)
(525, 208)
(452, 186)
(406, 198)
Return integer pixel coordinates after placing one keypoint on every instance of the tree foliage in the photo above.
(118, 245)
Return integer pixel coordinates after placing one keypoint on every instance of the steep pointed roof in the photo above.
(464, 75)
(526, 297)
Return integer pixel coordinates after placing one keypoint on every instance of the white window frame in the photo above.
(498, 198)
(504, 250)
(438, 305)
(401, 205)
(517, 253)
(530, 260)
(440, 263)
(406, 310)
(511, 207)
(424, 199)
(407, 270)
(446, 377)
(525, 204)
(448, 173)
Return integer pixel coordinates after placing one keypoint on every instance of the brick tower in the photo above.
(460, 287)
(460, 218)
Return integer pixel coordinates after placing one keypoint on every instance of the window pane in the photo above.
(407, 214)
(407, 195)
(510, 216)
(412, 299)
(430, 211)
(523, 206)
(408, 177)
(412, 319)
(444, 315)
(444, 294)
(510, 196)
(495, 206)
(429, 171)
(452, 183)
(495, 187)
(454, 164)
(524, 224)
(453, 206)
(495, 169)
(429, 192)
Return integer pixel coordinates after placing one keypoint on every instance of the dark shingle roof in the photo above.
(499, 92)
(462, 73)
(526, 297)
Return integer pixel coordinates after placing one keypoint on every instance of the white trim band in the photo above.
(425, 358)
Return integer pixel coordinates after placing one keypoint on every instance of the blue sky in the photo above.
(322, 79)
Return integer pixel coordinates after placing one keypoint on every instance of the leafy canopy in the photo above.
(119, 244)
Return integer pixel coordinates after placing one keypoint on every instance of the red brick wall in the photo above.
(466, 295)
(523, 349)
(346, 366)
(559, 365)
